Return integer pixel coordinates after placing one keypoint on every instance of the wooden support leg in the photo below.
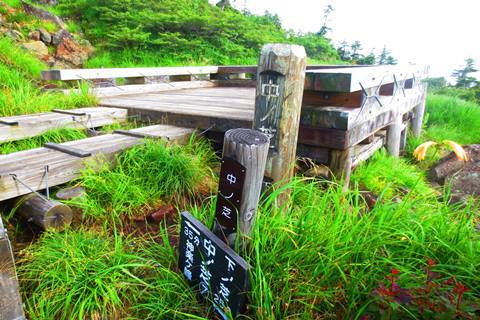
(417, 120)
(394, 132)
(44, 213)
(341, 165)
(403, 137)
(10, 300)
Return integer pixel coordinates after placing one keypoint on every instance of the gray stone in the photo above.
(14, 34)
(58, 37)
(38, 48)
(45, 36)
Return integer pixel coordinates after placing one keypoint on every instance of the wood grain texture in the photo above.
(47, 214)
(394, 134)
(250, 148)
(29, 165)
(278, 101)
(36, 124)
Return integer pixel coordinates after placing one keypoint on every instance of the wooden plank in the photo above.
(29, 165)
(353, 79)
(107, 73)
(36, 124)
(339, 99)
(146, 88)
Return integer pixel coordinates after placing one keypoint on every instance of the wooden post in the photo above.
(417, 121)
(394, 133)
(250, 149)
(278, 100)
(10, 300)
(341, 165)
(44, 213)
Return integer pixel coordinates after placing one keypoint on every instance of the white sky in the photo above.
(440, 33)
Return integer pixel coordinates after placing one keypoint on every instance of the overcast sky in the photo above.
(440, 33)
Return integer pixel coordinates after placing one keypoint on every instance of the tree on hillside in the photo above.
(386, 57)
(344, 51)
(462, 75)
(325, 28)
(368, 59)
(355, 47)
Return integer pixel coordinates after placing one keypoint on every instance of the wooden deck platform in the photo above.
(29, 166)
(31, 125)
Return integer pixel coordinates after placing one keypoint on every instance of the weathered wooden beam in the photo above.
(89, 74)
(278, 101)
(332, 99)
(418, 114)
(355, 79)
(10, 299)
(36, 124)
(341, 165)
(250, 149)
(45, 213)
(146, 88)
(29, 166)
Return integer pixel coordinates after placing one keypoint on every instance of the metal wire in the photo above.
(16, 179)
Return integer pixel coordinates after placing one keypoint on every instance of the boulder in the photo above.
(45, 36)
(69, 50)
(47, 2)
(38, 48)
(58, 37)
(463, 178)
(34, 35)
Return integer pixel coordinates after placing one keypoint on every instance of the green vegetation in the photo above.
(186, 32)
(56, 136)
(20, 86)
(400, 178)
(145, 174)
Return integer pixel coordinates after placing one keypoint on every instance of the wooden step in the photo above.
(29, 166)
(27, 126)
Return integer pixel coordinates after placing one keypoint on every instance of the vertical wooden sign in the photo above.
(278, 101)
(243, 165)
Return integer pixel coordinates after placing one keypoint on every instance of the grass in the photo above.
(325, 259)
(80, 274)
(391, 177)
(450, 118)
(20, 85)
(56, 136)
(143, 176)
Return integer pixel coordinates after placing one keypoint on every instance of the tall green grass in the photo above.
(20, 86)
(324, 255)
(144, 175)
(450, 118)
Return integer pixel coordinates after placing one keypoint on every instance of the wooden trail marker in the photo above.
(10, 300)
(243, 165)
(212, 267)
(278, 100)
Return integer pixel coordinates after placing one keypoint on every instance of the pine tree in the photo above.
(462, 75)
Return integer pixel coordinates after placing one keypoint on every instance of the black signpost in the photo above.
(230, 189)
(212, 267)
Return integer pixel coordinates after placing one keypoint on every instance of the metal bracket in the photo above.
(9, 123)
(132, 134)
(70, 112)
(68, 150)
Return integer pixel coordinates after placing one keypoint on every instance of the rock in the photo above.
(43, 14)
(14, 34)
(463, 178)
(47, 2)
(69, 50)
(38, 48)
(45, 36)
(58, 37)
(34, 35)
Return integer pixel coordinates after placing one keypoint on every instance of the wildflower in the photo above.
(421, 151)
(459, 151)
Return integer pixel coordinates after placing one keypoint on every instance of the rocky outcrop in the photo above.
(59, 49)
(43, 14)
(463, 178)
